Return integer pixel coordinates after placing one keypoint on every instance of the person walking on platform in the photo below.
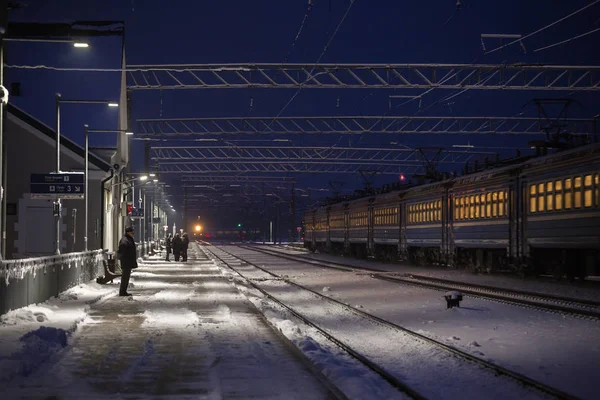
(168, 244)
(177, 246)
(186, 242)
(128, 256)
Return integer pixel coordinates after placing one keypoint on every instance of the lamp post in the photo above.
(2, 104)
(57, 204)
(86, 173)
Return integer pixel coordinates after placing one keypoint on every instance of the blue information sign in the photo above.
(64, 185)
(136, 213)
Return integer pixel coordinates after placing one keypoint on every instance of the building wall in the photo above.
(28, 231)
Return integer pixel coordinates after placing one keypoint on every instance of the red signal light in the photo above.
(402, 177)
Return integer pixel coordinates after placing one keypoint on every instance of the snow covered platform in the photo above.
(586, 290)
(186, 333)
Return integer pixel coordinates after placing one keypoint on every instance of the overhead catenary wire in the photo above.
(306, 15)
(320, 57)
(544, 28)
(568, 40)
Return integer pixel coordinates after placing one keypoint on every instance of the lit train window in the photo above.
(471, 207)
(488, 208)
(597, 190)
(541, 198)
(456, 204)
(577, 192)
(501, 204)
(549, 196)
(558, 196)
(587, 191)
(482, 208)
(532, 199)
(568, 194)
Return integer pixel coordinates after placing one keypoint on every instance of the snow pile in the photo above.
(345, 372)
(174, 295)
(155, 285)
(25, 344)
(29, 314)
(38, 347)
(180, 318)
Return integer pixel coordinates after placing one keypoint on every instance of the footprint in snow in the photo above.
(327, 289)
(474, 344)
(454, 338)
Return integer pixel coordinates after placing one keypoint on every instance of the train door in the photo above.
(399, 227)
(403, 237)
(328, 233)
(346, 231)
(370, 229)
(445, 220)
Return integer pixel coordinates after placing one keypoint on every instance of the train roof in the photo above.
(491, 173)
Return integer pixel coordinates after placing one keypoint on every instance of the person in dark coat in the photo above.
(128, 257)
(177, 246)
(184, 248)
(168, 244)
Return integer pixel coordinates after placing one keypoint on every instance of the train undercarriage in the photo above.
(559, 263)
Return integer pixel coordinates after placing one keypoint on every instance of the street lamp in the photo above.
(60, 100)
(2, 104)
(85, 188)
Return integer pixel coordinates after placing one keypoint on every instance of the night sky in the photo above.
(238, 31)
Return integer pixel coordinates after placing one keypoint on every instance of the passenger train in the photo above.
(537, 216)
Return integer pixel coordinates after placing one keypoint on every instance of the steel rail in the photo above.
(475, 291)
(461, 354)
(369, 364)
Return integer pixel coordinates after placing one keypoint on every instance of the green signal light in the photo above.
(239, 225)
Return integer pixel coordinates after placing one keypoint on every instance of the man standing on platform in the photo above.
(128, 257)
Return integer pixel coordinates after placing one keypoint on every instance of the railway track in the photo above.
(575, 307)
(470, 368)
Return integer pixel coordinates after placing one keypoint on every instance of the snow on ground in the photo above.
(560, 351)
(195, 335)
(31, 335)
(587, 290)
(351, 377)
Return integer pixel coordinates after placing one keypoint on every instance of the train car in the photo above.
(561, 212)
(386, 226)
(359, 226)
(337, 228)
(423, 232)
(480, 226)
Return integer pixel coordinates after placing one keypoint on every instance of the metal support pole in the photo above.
(87, 180)
(293, 215)
(58, 204)
(139, 207)
(3, 12)
(143, 220)
(4, 198)
(74, 233)
(151, 236)
(185, 207)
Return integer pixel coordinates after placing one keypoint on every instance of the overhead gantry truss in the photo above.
(237, 179)
(257, 159)
(363, 76)
(150, 128)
